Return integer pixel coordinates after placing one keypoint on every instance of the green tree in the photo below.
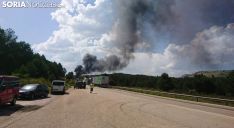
(204, 84)
(18, 58)
(70, 76)
(165, 82)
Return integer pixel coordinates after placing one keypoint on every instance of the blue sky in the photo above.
(32, 25)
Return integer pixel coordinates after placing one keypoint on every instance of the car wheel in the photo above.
(13, 102)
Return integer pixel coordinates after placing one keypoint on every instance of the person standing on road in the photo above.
(91, 87)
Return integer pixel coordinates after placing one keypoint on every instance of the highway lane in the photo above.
(108, 108)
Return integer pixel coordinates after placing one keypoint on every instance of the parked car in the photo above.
(9, 89)
(32, 91)
(58, 86)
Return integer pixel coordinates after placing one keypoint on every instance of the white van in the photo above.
(58, 86)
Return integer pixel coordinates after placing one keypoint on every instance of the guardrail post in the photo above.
(197, 99)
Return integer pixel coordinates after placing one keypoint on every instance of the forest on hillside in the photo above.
(18, 58)
(197, 85)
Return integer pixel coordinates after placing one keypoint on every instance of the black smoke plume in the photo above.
(143, 24)
(110, 63)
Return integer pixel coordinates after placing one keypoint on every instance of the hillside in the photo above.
(218, 73)
(18, 58)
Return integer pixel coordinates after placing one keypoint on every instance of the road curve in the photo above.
(108, 108)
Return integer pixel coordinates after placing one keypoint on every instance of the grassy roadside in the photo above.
(70, 83)
(218, 101)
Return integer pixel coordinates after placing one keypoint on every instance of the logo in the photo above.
(30, 4)
(13, 4)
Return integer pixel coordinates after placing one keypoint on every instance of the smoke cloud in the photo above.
(110, 63)
(211, 49)
(142, 25)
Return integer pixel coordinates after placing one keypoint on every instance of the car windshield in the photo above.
(29, 87)
(58, 83)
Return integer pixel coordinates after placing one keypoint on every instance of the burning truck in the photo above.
(100, 80)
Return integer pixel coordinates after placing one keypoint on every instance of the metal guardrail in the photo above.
(219, 101)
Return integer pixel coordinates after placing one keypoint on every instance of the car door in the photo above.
(40, 90)
(10, 92)
(12, 89)
(45, 90)
(4, 94)
(7, 92)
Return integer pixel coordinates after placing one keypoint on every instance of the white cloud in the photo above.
(211, 49)
(86, 28)
(81, 26)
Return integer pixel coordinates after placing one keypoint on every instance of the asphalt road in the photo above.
(108, 108)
